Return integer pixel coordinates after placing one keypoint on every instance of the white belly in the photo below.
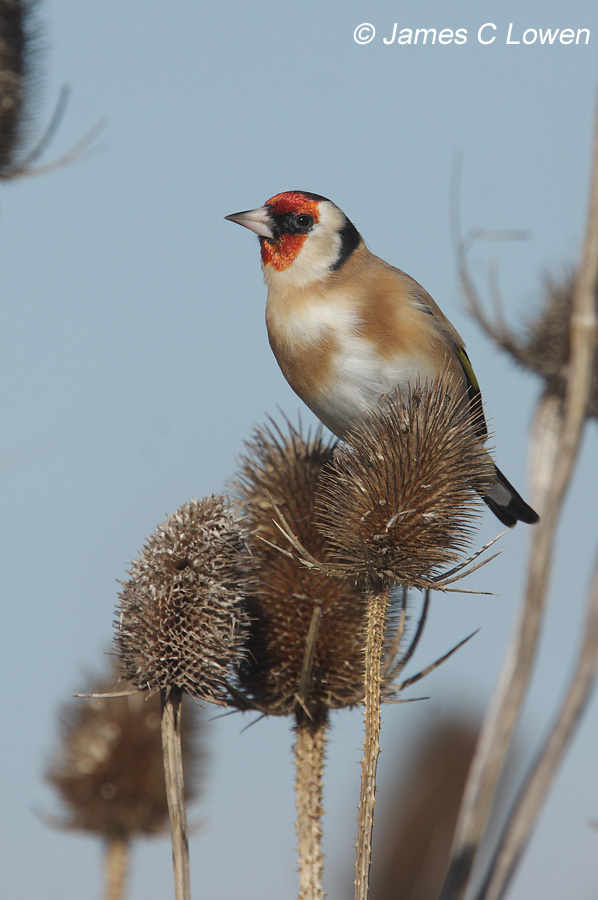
(362, 378)
(358, 376)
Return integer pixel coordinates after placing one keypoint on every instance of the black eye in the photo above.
(304, 221)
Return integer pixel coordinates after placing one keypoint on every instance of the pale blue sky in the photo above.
(135, 362)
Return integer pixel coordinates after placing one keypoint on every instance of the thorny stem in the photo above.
(310, 747)
(503, 713)
(376, 619)
(116, 865)
(173, 774)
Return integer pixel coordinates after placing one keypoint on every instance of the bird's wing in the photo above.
(475, 395)
(457, 344)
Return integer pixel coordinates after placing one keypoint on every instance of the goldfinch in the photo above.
(346, 327)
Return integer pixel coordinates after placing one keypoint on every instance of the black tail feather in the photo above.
(506, 504)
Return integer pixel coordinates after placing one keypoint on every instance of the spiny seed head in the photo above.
(180, 621)
(108, 768)
(398, 504)
(18, 33)
(547, 346)
(280, 476)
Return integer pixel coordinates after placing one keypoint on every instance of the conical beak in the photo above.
(257, 220)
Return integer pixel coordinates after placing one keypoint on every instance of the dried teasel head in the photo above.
(17, 35)
(546, 347)
(108, 769)
(180, 621)
(399, 503)
(305, 648)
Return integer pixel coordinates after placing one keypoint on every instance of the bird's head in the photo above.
(303, 236)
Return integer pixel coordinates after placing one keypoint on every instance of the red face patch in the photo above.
(282, 253)
(294, 202)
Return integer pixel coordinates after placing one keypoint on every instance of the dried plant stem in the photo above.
(173, 773)
(116, 866)
(310, 747)
(521, 820)
(504, 709)
(546, 428)
(376, 619)
(495, 326)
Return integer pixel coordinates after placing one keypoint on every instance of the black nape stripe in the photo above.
(350, 239)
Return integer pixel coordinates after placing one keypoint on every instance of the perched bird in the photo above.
(346, 327)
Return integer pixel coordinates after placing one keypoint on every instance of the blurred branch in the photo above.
(533, 793)
(83, 149)
(505, 707)
(495, 326)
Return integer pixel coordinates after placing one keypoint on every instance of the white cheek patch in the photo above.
(318, 254)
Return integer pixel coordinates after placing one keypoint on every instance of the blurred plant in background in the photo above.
(108, 772)
(20, 50)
